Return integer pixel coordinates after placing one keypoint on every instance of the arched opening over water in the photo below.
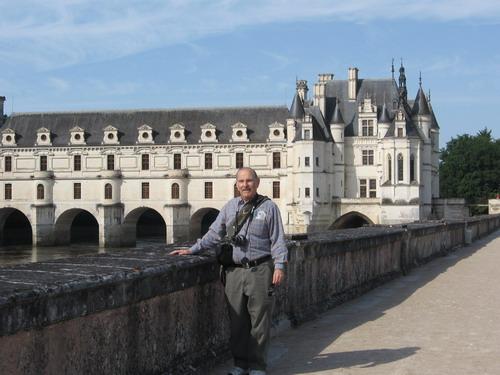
(351, 219)
(201, 221)
(15, 228)
(76, 226)
(147, 225)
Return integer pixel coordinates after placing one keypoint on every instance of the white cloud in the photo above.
(58, 84)
(58, 33)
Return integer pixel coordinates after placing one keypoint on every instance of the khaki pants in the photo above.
(250, 309)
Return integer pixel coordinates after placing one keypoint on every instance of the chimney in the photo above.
(302, 89)
(2, 100)
(352, 84)
(320, 91)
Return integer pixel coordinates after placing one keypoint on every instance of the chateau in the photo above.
(358, 152)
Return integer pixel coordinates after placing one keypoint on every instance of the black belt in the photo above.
(253, 263)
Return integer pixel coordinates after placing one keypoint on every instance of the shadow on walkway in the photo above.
(360, 358)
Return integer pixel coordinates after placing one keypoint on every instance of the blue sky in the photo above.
(60, 55)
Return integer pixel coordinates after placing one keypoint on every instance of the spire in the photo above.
(403, 93)
(421, 107)
(297, 108)
(384, 118)
(392, 68)
(337, 116)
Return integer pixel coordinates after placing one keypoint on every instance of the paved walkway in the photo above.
(443, 318)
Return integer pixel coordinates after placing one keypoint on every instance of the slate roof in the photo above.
(420, 106)
(257, 120)
(297, 108)
(380, 90)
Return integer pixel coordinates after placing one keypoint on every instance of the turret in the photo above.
(337, 125)
(421, 113)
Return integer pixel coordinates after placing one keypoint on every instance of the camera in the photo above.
(239, 240)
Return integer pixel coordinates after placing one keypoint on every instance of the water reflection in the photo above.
(18, 254)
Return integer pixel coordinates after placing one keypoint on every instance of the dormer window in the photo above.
(367, 128)
(177, 133)
(77, 136)
(239, 132)
(145, 134)
(276, 132)
(110, 135)
(43, 137)
(208, 133)
(8, 137)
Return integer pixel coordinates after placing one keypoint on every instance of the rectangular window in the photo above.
(317, 161)
(307, 161)
(239, 160)
(145, 190)
(362, 188)
(145, 162)
(43, 163)
(317, 192)
(276, 189)
(308, 192)
(373, 188)
(77, 163)
(77, 190)
(209, 190)
(307, 134)
(8, 164)
(276, 160)
(208, 161)
(400, 132)
(8, 191)
(367, 128)
(177, 161)
(111, 162)
(367, 157)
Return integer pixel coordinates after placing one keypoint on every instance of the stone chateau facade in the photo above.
(358, 152)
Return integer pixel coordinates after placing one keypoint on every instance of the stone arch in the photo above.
(145, 224)
(15, 227)
(76, 225)
(201, 221)
(351, 219)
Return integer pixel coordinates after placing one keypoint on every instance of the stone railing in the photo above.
(131, 311)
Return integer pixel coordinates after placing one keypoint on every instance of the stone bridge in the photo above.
(144, 312)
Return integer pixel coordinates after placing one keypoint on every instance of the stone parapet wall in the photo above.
(130, 312)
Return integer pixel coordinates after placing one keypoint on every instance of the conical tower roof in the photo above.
(297, 108)
(421, 107)
(337, 116)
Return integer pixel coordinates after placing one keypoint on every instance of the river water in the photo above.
(18, 254)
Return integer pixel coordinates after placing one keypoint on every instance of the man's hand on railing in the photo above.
(181, 252)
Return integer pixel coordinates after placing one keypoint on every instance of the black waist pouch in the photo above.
(225, 255)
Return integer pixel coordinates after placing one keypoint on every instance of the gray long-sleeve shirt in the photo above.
(264, 233)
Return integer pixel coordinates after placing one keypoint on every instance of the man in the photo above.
(259, 257)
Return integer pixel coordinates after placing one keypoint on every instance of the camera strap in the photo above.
(244, 214)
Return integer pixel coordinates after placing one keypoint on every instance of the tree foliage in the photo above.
(470, 167)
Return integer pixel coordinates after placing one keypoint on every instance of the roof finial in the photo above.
(392, 68)
(429, 96)
(420, 79)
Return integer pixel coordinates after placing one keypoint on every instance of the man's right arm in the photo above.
(211, 239)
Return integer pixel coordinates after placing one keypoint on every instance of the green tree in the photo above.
(470, 167)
